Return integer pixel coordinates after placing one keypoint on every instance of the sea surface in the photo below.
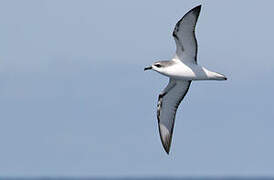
(139, 178)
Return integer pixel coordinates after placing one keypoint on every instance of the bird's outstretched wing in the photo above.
(184, 35)
(168, 103)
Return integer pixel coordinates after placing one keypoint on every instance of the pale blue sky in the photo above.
(74, 99)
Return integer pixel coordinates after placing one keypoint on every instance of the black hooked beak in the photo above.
(148, 68)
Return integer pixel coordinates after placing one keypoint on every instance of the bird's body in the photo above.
(178, 70)
(181, 70)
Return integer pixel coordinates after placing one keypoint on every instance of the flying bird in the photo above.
(181, 70)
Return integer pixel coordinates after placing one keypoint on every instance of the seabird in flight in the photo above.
(181, 70)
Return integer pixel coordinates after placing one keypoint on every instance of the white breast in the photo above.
(187, 72)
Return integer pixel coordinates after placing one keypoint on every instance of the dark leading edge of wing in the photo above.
(184, 35)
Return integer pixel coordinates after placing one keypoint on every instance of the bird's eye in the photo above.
(158, 65)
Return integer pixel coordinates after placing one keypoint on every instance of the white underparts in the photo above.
(188, 72)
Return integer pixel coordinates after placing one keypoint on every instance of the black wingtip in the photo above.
(167, 150)
(196, 9)
(166, 144)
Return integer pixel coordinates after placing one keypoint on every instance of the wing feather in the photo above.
(168, 103)
(184, 36)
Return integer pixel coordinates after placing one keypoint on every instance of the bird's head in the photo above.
(159, 66)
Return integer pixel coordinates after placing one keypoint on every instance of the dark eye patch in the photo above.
(158, 65)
